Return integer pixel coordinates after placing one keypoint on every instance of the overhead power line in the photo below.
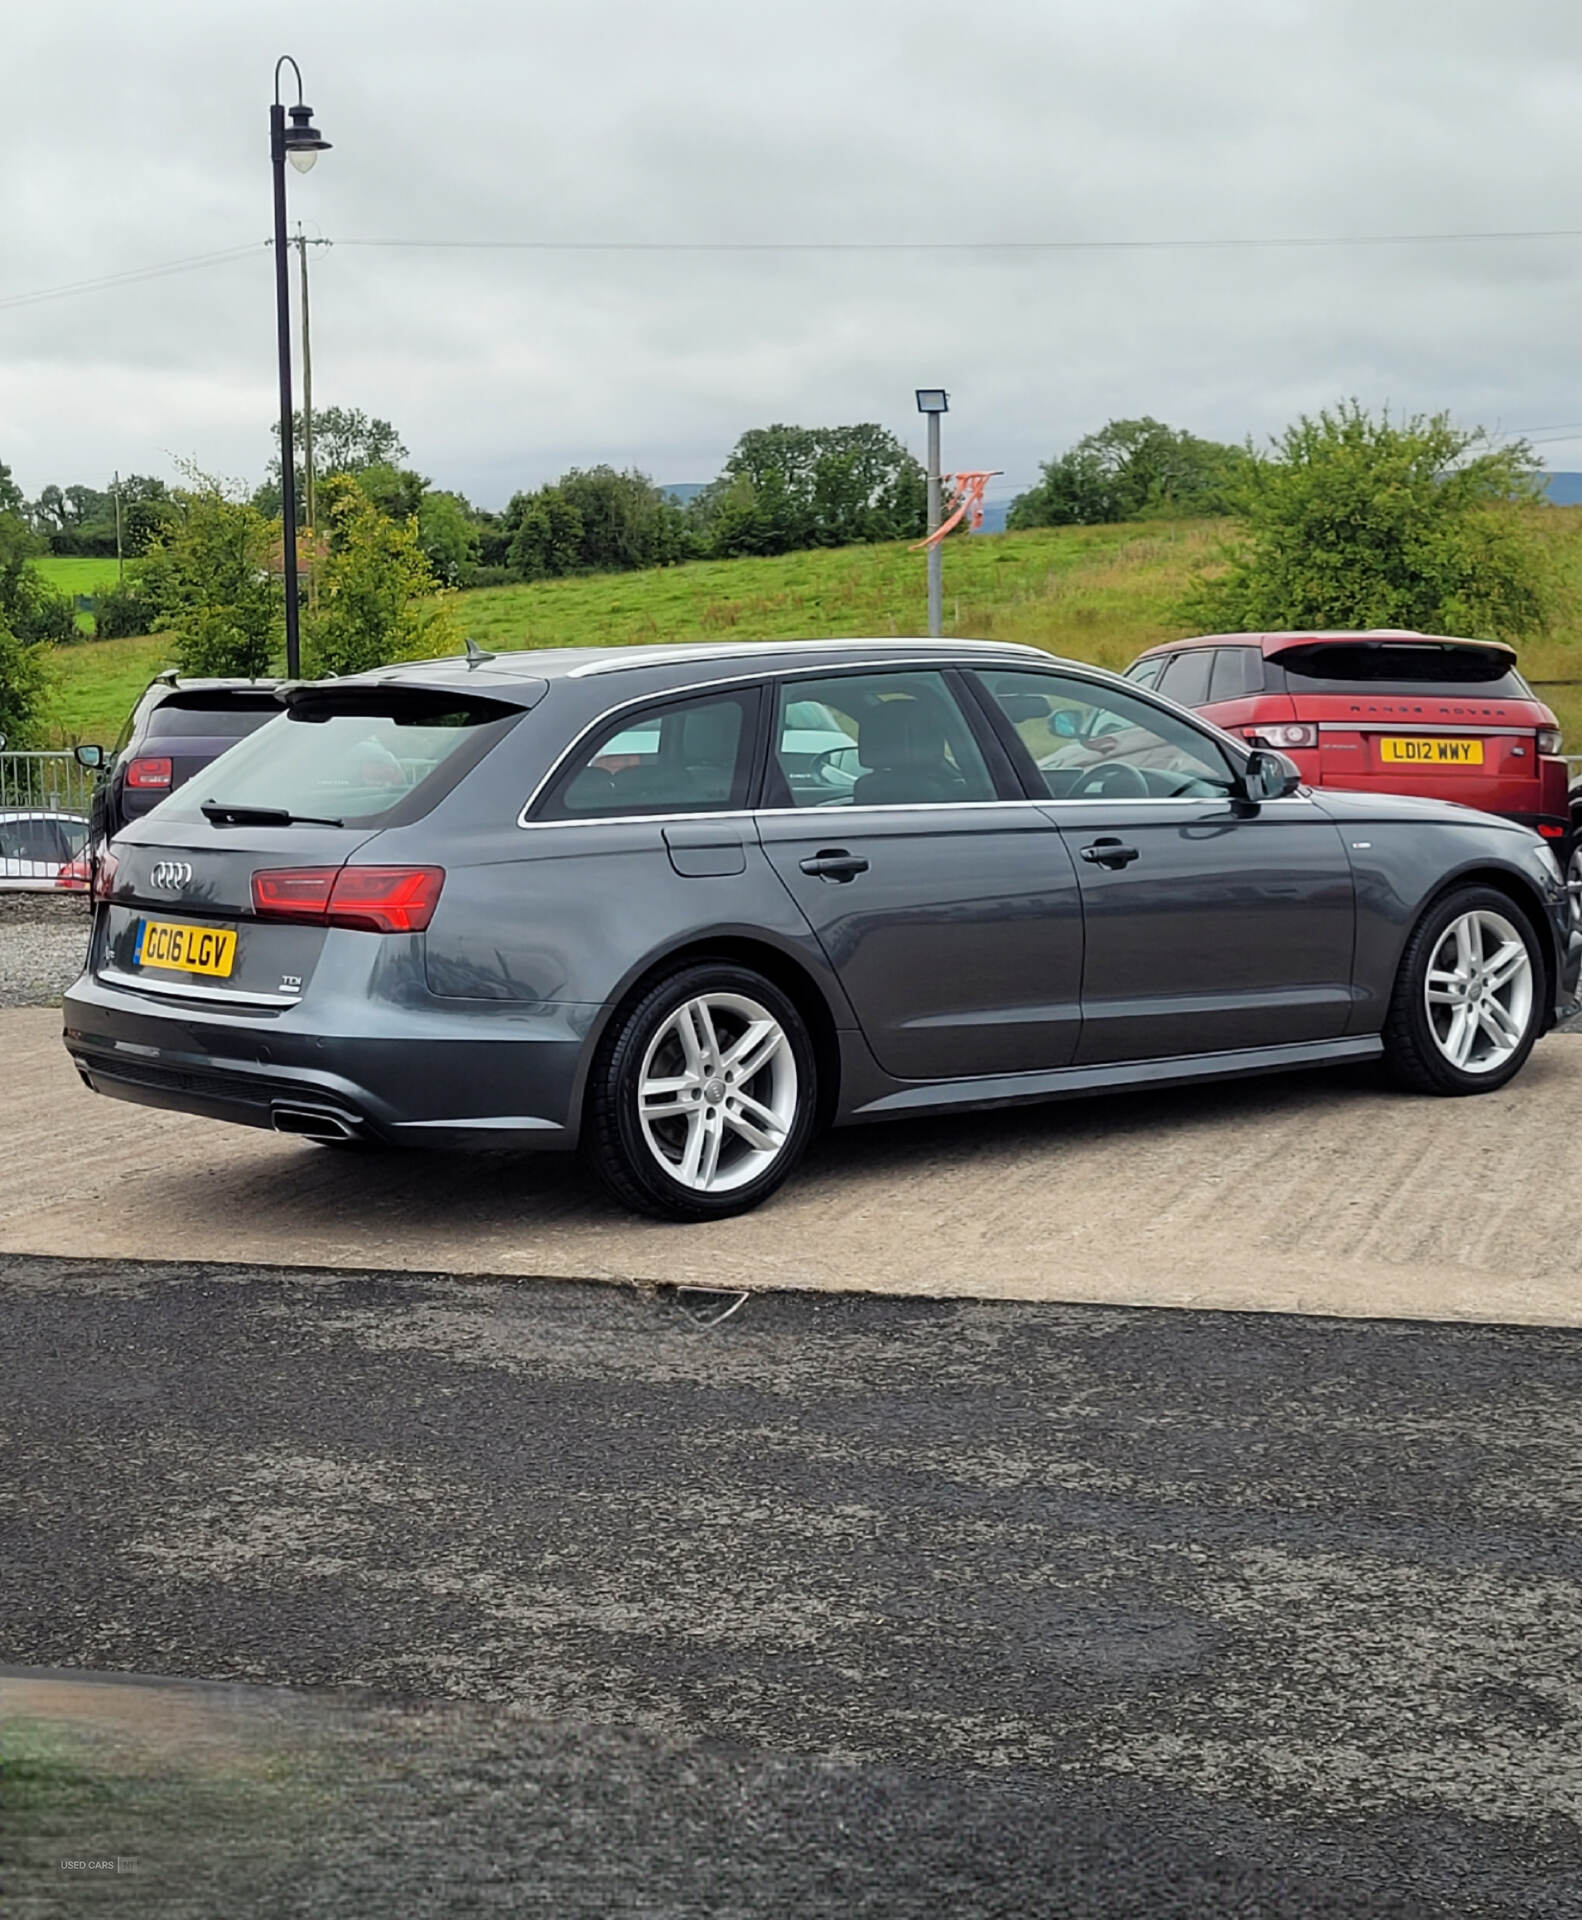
(104, 281)
(1252, 243)
(979, 246)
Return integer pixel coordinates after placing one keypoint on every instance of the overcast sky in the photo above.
(133, 137)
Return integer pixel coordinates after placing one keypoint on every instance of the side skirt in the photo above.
(1012, 1089)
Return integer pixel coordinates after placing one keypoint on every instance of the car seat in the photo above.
(905, 745)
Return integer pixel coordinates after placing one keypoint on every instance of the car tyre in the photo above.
(703, 1095)
(1468, 999)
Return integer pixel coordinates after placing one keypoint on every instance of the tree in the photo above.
(211, 580)
(345, 440)
(785, 488)
(31, 610)
(1132, 470)
(10, 492)
(546, 538)
(1358, 521)
(25, 683)
(594, 519)
(377, 593)
(447, 532)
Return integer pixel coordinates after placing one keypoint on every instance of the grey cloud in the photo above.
(127, 144)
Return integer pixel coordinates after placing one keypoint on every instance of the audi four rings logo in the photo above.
(172, 873)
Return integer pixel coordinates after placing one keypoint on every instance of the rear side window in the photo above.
(233, 721)
(363, 759)
(1391, 666)
(1237, 672)
(1186, 679)
(684, 756)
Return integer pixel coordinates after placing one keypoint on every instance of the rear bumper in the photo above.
(457, 1076)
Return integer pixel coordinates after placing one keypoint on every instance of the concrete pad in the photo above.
(1317, 1193)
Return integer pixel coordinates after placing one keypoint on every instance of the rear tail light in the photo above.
(370, 899)
(148, 771)
(1550, 740)
(104, 866)
(1282, 734)
(74, 877)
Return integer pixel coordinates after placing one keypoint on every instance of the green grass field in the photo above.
(1090, 593)
(78, 576)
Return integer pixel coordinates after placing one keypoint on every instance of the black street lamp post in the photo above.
(301, 143)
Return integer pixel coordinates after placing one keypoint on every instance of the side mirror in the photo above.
(1064, 723)
(1268, 775)
(90, 757)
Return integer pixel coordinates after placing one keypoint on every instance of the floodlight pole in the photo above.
(301, 143)
(936, 553)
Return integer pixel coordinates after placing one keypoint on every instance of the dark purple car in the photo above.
(176, 729)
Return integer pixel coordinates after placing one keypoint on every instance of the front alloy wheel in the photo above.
(703, 1097)
(1479, 991)
(1468, 997)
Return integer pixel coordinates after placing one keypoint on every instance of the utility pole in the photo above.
(307, 418)
(120, 563)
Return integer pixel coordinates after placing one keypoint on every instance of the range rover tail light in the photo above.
(1282, 734)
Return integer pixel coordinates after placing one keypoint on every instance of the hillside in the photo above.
(1091, 593)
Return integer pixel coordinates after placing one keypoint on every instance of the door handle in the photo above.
(834, 863)
(1110, 853)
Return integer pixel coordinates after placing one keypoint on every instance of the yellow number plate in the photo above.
(1432, 753)
(164, 943)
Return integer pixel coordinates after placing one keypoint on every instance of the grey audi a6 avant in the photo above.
(678, 906)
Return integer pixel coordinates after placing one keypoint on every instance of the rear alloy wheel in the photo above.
(1466, 1007)
(703, 1095)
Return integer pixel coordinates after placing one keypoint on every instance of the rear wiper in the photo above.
(242, 816)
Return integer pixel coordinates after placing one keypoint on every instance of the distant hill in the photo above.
(681, 491)
(1564, 489)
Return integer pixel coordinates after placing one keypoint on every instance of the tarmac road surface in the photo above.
(838, 1605)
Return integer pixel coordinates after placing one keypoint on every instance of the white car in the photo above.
(35, 848)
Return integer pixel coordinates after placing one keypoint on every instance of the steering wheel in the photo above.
(1116, 779)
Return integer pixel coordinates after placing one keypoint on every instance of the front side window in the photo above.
(1147, 672)
(874, 740)
(1099, 743)
(687, 756)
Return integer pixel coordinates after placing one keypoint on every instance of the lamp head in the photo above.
(303, 141)
(933, 400)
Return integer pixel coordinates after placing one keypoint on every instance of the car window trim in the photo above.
(726, 682)
(752, 696)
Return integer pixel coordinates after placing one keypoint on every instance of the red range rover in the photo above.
(1385, 711)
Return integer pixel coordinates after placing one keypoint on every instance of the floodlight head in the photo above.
(933, 400)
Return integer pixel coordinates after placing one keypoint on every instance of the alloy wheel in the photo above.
(1479, 991)
(717, 1092)
(1574, 880)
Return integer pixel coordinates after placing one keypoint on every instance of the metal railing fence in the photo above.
(45, 783)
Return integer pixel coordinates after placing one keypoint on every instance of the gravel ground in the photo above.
(41, 947)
